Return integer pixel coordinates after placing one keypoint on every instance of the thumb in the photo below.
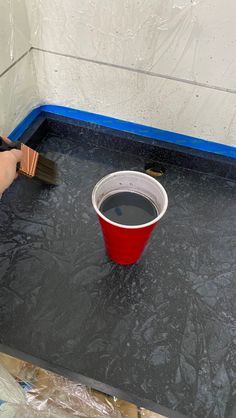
(17, 154)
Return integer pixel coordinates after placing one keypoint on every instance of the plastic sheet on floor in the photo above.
(29, 392)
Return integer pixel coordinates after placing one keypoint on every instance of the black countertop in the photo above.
(163, 329)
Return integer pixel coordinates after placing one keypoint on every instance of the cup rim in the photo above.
(154, 221)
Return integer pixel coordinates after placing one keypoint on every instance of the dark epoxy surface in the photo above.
(163, 329)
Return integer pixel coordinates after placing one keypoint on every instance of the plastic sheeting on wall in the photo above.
(14, 32)
(18, 90)
(170, 105)
(176, 59)
(185, 39)
(163, 63)
(18, 94)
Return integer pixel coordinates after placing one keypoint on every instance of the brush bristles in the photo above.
(46, 170)
(35, 165)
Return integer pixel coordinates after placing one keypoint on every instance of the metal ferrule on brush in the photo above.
(29, 161)
(32, 163)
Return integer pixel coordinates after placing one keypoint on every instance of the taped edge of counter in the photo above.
(125, 126)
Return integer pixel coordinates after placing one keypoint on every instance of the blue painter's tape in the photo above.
(21, 128)
(130, 127)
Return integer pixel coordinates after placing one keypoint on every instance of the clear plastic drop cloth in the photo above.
(27, 391)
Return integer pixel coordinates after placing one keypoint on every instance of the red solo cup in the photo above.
(125, 243)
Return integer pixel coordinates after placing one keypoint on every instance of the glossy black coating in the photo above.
(163, 330)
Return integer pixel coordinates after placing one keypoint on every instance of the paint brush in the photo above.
(32, 163)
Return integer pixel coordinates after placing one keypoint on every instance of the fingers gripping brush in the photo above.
(32, 163)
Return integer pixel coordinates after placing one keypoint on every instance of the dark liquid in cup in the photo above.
(128, 208)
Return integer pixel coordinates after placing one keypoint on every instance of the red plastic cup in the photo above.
(125, 243)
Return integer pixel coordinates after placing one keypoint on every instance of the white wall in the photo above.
(17, 94)
(187, 39)
(184, 49)
(164, 63)
(131, 96)
(14, 32)
(17, 84)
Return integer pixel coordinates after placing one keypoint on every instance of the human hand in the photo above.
(8, 162)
